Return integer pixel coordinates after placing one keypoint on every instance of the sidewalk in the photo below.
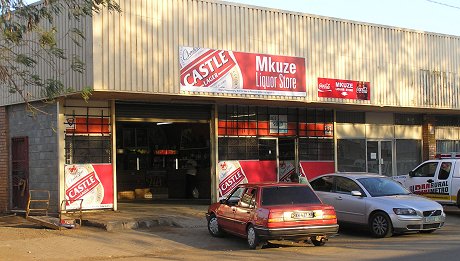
(133, 215)
(145, 215)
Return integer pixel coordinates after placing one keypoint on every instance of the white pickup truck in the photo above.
(437, 179)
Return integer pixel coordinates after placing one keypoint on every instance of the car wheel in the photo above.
(254, 241)
(213, 227)
(318, 241)
(427, 231)
(458, 199)
(380, 225)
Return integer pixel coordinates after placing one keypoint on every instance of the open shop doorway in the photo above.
(163, 161)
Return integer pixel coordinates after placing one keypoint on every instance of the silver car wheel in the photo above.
(380, 225)
(251, 236)
(214, 226)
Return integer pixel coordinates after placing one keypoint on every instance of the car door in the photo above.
(421, 179)
(244, 210)
(440, 188)
(226, 212)
(349, 208)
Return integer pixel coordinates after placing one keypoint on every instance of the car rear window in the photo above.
(285, 195)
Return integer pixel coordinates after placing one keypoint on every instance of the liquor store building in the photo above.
(192, 97)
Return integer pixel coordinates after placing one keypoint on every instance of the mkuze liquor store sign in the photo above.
(220, 71)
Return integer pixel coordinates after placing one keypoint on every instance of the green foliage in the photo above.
(86, 93)
(30, 39)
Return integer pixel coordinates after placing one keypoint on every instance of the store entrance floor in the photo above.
(146, 214)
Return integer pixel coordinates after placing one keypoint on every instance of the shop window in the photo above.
(316, 115)
(408, 119)
(453, 121)
(351, 155)
(238, 148)
(267, 149)
(447, 146)
(316, 149)
(246, 148)
(350, 117)
(408, 155)
(274, 121)
(87, 135)
(88, 149)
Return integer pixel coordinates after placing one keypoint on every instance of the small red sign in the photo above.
(344, 89)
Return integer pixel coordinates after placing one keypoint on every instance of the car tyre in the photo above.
(253, 239)
(380, 225)
(317, 242)
(458, 199)
(213, 227)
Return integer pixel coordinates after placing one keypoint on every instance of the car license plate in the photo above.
(433, 219)
(301, 215)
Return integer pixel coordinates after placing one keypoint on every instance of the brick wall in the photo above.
(429, 140)
(4, 161)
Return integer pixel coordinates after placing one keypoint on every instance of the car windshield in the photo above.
(379, 187)
(286, 195)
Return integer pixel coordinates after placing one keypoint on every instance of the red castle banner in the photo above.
(344, 89)
(93, 183)
(220, 71)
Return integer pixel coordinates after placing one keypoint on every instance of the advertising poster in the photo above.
(91, 182)
(344, 89)
(312, 169)
(278, 124)
(287, 167)
(234, 172)
(221, 71)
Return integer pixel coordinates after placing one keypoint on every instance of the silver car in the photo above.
(379, 202)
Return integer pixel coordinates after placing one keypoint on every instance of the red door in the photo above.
(20, 171)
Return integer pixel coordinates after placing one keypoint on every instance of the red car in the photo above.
(273, 211)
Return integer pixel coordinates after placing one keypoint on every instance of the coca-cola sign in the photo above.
(220, 71)
(345, 89)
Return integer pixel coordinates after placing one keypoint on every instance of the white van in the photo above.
(437, 179)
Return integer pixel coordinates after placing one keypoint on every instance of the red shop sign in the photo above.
(344, 89)
(221, 71)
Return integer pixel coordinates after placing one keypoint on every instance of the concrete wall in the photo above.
(4, 161)
(43, 146)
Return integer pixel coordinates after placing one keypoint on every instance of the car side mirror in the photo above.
(356, 193)
(411, 173)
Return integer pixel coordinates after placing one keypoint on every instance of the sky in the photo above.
(438, 16)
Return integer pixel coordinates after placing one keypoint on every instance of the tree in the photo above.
(28, 40)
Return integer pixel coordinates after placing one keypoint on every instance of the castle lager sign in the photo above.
(220, 71)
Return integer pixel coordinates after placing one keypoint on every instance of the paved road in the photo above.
(27, 242)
